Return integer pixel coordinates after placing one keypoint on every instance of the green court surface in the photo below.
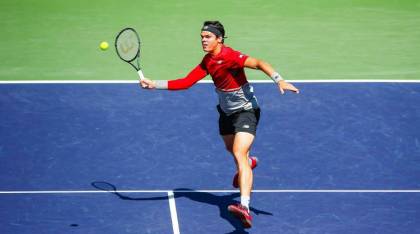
(303, 39)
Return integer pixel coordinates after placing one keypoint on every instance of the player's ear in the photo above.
(220, 39)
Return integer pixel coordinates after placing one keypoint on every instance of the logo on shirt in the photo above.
(241, 56)
(220, 62)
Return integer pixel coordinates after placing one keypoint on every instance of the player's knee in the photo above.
(244, 168)
(241, 157)
(238, 153)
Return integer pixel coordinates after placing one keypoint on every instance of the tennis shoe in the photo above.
(235, 182)
(242, 213)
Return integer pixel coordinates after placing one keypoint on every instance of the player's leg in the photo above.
(238, 132)
(227, 130)
(228, 140)
(241, 146)
(253, 161)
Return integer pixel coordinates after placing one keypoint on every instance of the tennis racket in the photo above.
(127, 45)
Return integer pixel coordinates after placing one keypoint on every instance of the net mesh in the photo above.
(127, 45)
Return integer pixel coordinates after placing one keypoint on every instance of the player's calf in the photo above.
(253, 161)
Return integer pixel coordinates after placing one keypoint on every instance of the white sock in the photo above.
(245, 201)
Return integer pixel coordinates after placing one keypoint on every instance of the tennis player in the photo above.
(238, 107)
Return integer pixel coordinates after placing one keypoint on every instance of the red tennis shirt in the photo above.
(226, 69)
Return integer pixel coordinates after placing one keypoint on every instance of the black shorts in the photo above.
(242, 121)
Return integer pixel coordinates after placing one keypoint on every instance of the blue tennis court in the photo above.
(337, 158)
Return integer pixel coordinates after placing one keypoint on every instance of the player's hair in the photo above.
(219, 26)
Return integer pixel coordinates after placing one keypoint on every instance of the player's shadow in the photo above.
(221, 201)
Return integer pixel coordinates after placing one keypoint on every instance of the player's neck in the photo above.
(216, 50)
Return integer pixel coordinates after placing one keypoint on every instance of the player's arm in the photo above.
(193, 77)
(254, 63)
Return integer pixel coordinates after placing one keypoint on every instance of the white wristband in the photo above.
(161, 84)
(276, 77)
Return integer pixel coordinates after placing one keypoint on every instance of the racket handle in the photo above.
(141, 75)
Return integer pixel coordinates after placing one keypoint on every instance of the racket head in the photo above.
(127, 44)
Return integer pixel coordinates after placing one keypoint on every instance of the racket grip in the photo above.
(141, 75)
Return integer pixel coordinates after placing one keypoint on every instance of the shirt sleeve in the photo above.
(239, 58)
(198, 73)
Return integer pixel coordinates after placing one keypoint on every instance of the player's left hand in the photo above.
(283, 86)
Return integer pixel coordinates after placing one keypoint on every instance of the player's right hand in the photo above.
(147, 84)
(283, 85)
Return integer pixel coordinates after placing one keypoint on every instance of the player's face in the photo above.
(209, 41)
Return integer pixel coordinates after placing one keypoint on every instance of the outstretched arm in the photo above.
(195, 75)
(254, 63)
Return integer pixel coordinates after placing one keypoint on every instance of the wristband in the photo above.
(276, 77)
(161, 84)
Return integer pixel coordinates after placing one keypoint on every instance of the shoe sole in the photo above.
(238, 214)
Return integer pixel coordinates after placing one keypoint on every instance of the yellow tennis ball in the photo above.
(104, 45)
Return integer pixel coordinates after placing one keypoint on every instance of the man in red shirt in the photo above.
(238, 107)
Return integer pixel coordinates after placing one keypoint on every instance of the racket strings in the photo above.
(127, 45)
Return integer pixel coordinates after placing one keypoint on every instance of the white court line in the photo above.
(202, 81)
(218, 191)
(174, 215)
